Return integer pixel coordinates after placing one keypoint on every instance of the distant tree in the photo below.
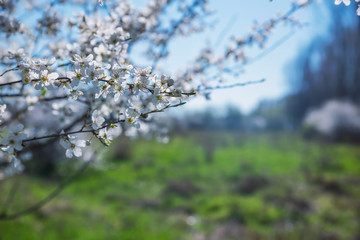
(233, 119)
(272, 112)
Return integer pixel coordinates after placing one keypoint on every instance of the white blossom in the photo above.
(105, 135)
(72, 145)
(143, 76)
(97, 119)
(14, 139)
(46, 79)
(131, 117)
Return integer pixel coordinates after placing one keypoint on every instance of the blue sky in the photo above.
(273, 67)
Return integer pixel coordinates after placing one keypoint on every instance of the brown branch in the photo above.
(53, 98)
(10, 197)
(93, 130)
(69, 133)
(10, 83)
(144, 115)
(11, 95)
(52, 195)
(66, 129)
(33, 80)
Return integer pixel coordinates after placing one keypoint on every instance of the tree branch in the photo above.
(10, 197)
(33, 80)
(52, 195)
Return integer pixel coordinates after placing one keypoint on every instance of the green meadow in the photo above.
(203, 185)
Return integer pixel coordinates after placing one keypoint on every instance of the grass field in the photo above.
(204, 185)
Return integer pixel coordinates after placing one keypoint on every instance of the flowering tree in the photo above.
(67, 74)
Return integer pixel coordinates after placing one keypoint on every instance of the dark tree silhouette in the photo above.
(328, 68)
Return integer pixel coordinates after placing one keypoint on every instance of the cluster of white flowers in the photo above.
(114, 93)
(14, 139)
(347, 3)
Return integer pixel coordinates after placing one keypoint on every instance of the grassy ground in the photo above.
(201, 186)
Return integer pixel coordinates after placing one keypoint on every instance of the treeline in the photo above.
(268, 116)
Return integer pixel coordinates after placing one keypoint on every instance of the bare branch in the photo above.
(34, 80)
(10, 83)
(52, 195)
(10, 197)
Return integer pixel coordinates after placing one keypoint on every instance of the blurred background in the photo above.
(275, 160)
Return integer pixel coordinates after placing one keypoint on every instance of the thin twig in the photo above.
(227, 28)
(267, 51)
(9, 70)
(233, 85)
(66, 129)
